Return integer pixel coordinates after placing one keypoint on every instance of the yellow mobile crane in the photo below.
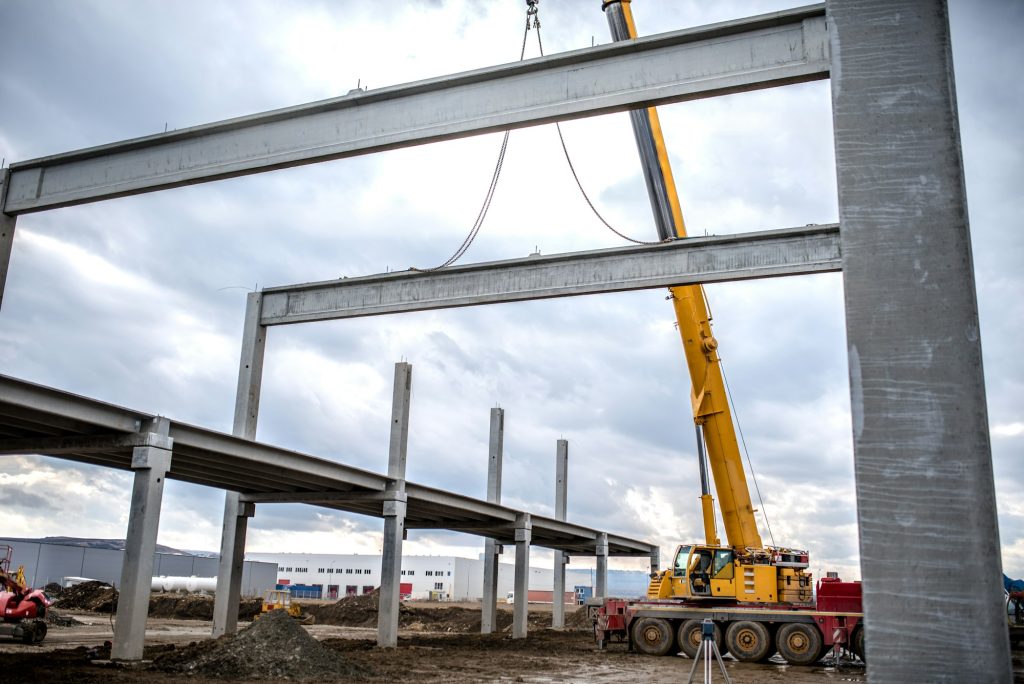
(758, 597)
(744, 569)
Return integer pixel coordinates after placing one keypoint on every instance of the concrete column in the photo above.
(391, 566)
(655, 560)
(561, 492)
(929, 541)
(150, 465)
(601, 575)
(489, 614)
(6, 233)
(522, 579)
(236, 514)
(394, 510)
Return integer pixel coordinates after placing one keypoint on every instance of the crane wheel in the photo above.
(799, 643)
(749, 642)
(653, 636)
(690, 636)
(857, 643)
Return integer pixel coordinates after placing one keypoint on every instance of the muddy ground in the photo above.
(437, 642)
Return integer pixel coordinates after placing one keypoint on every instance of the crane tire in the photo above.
(857, 643)
(653, 636)
(689, 637)
(748, 641)
(799, 643)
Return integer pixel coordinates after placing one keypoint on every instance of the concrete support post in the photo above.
(489, 614)
(522, 579)
(922, 456)
(601, 579)
(150, 465)
(655, 560)
(237, 514)
(394, 510)
(391, 566)
(561, 492)
(6, 232)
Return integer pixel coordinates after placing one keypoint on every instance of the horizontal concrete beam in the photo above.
(791, 251)
(53, 446)
(759, 52)
(312, 497)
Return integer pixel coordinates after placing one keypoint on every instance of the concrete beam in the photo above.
(736, 56)
(790, 251)
(236, 513)
(150, 465)
(929, 540)
(7, 223)
(394, 510)
(52, 446)
(521, 584)
(495, 452)
(313, 497)
(561, 494)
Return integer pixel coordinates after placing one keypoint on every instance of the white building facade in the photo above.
(444, 578)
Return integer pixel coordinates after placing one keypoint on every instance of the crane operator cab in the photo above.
(700, 572)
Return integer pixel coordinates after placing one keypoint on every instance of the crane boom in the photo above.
(710, 405)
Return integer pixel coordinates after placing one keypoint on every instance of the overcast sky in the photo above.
(139, 301)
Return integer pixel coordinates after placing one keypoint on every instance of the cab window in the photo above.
(679, 566)
(722, 568)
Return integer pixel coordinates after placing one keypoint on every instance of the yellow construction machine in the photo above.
(744, 569)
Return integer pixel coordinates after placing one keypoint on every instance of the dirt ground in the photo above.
(437, 642)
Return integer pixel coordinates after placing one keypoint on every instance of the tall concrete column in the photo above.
(237, 514)
(489, 614)
(655, 560)
(561, 492)
(522, 579)
(6, 233)
(601, 574)
(929, 541)
(394, 510)
(150, 465)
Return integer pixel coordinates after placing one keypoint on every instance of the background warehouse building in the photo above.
(51, 560)
(424, 577)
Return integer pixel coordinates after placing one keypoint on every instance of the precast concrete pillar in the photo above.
(231, 563)
(394, 510)
(391, 566)
(6, 232)
(561, 492)
(655, 560)
(522, 579)
(150, 465)
(929, 541)
(601, 574)
(237, 514)
(492, 550)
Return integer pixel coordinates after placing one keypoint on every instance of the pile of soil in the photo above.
(275, 646)
(55, 619)
(578, 619)
(195, 607)
(92, 595)
(361, 611)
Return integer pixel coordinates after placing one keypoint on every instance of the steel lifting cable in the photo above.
(746, 452)
(531, 12)
(576, 177)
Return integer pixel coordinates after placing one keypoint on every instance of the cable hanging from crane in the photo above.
(532, 20)
(531, 13)
(746, 452)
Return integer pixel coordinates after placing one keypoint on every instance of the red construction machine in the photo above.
(23, 608)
